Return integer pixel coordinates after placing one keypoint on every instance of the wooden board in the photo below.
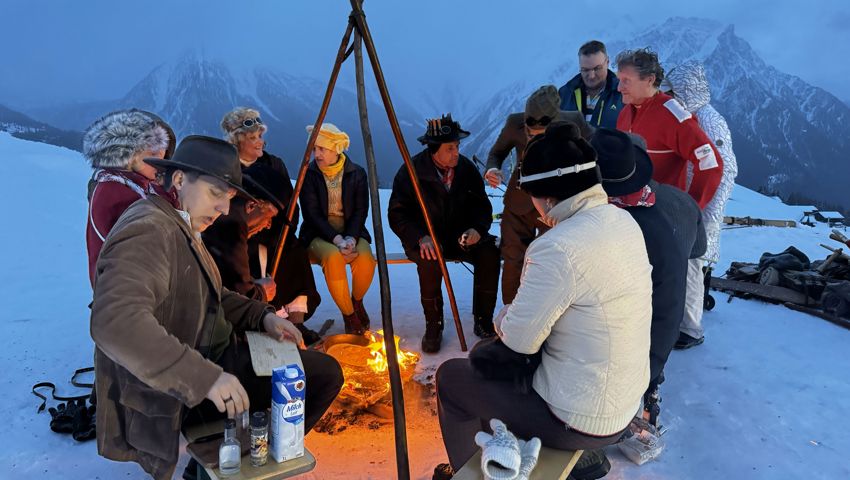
(758, 222)
(551, 465)
(268, 354)
(840, 321)
(767, 292)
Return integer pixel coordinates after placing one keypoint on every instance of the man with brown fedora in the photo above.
(670, 221)
(519, 224)
(169, 338)
(461, 215)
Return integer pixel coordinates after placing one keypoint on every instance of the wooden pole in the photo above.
(360, 19)
(396, 389)
(290, 210)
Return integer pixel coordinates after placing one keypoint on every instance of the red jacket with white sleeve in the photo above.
(673, 138)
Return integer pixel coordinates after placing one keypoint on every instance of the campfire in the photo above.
(364, 366)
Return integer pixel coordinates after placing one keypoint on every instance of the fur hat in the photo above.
(442, 130)
(558, 163)
(331, 138)
(544, 102)
(113, 139)
(241, 120)
(172, 138)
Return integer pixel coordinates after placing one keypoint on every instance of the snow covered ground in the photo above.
(765, 397)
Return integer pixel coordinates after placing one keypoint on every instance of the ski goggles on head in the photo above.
(251, 122)
(538, 122)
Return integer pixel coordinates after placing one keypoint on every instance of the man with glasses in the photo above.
(520, 224)
(594, 90)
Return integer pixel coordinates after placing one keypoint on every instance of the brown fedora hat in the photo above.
(209, 156)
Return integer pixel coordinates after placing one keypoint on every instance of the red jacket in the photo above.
(673, 138)
(115, 190)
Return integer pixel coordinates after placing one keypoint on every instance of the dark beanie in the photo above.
(544, 102)
(561, 146)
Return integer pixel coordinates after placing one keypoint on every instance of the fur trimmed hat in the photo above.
(113, 139)
(558, 163)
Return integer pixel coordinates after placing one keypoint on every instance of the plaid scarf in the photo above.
(644, 197)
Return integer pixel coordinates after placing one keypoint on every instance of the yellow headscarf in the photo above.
(331, 137)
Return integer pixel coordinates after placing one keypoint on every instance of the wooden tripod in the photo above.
(359, 28)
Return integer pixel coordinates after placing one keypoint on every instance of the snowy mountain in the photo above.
(789, 136)
(193, 93)
(22, 126)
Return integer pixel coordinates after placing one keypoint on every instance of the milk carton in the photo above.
(289, 388)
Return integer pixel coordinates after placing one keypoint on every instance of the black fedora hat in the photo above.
(209, 156)
(442, 130)
(263, 181)
(625, 167)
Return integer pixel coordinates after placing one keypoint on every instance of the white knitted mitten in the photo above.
(529, 450)
(500, 455)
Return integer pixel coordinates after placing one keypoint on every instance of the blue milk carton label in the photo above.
(289, 388)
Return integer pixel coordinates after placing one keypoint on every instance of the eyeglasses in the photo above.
(542, 121)
(250, 122)
(597, 69)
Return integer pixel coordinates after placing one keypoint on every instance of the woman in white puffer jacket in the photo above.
(584, 302)
(688, 84)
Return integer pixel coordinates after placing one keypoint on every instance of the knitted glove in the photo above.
(529, 451)
(500, 454)
(351, 243)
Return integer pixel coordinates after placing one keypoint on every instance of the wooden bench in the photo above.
(202, 451)
(551, 464)
(392, 259)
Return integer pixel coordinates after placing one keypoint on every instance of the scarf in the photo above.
(644, 197)
(333, 170)
(447, 175)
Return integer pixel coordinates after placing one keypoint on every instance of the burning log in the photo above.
(364, 366)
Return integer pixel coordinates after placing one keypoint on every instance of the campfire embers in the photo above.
(364, 366)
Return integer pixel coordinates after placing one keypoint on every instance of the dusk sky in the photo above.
(63, 51)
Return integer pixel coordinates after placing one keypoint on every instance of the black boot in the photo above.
(433, 309)
(352, 324)
(443, 471)
(360, 310)
(651, 407)
(310, 336)
(593, 464)
(484, 327)
(686, 341)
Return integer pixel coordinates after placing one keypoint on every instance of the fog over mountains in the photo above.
(790, 137)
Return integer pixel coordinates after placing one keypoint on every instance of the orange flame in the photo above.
(378, 362)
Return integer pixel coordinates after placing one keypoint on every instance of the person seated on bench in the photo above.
(671, 223)
(295, 287)
(228, 242)
(335, 201)
(461, 215)
(584, 303)
(167, 334)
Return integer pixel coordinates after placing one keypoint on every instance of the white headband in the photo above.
(557, 172)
